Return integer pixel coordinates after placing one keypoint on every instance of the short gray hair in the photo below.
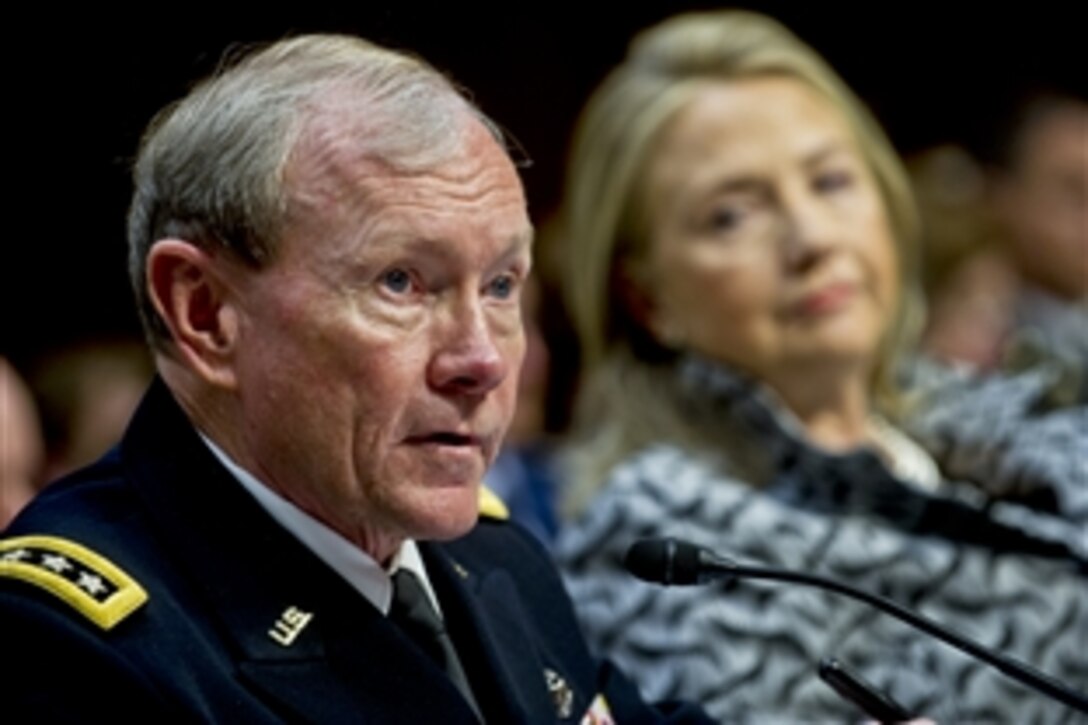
(211, 167)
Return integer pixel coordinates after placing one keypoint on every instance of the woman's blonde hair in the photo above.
(602, 227)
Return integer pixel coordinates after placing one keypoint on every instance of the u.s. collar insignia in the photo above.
(290, 625)
(561, 693)
(95, 587)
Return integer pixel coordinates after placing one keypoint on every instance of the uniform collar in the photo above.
(357, 567)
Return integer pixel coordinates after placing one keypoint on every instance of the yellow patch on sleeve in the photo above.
(95, 587)
(599, 713)
(491, 505)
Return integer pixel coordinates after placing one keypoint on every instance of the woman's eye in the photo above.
(397, 280)
(724, 219)
(830, 181)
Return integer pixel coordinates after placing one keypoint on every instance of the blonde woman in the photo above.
(739, 266)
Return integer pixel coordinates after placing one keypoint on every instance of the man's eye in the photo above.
(397, 280)
(502, 287)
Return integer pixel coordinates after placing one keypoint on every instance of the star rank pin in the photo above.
(562, 696)
(92, 585)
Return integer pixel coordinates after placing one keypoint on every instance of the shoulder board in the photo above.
(491, 505)
(95, 587)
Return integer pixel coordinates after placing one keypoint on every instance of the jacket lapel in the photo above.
(365, 668)
(508, 670)
(302, 637)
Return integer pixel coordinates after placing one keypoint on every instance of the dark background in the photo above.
(81, 87)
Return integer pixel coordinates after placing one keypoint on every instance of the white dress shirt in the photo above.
(357, 567)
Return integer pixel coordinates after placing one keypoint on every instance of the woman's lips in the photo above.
(824, 300)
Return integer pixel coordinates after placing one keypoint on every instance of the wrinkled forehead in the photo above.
(411, 130)
(341, 135)
(340, 174)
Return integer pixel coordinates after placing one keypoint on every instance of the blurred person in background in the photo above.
(22, 449)
(1006, 242)
(968, 279)
(740, 265)
(1038, 164)
(86, 394)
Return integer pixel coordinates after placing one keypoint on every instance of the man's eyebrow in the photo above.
(522, 239)
(520, 243)
(397, 238)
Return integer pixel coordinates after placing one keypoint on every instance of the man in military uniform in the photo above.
(327, 246)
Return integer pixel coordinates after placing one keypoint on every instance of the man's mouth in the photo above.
(445, 438)
(449, 439)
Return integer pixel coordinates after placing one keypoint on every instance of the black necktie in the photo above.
(413, 612)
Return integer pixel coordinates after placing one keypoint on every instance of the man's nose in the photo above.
(468, 360)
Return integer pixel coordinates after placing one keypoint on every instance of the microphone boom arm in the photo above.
(1018, 671)
(669, 561)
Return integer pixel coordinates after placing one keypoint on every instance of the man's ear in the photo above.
(187, 288)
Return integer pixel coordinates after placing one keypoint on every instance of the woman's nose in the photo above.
(810, 234)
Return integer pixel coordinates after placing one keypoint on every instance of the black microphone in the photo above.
(673, 562)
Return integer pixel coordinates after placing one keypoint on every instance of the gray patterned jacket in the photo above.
(1009, 576)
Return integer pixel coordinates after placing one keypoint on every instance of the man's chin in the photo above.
(447, 514)
(454, 532)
